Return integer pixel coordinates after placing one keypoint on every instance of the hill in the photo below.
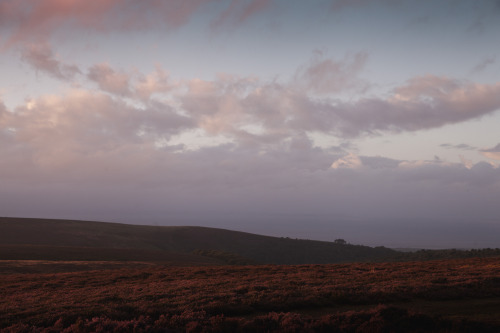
(44, 239)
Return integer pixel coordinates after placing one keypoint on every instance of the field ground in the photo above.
(441, 296)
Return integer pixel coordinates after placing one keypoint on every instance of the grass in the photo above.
(446, 295)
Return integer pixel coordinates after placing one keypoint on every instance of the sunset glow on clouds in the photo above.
(374, 121)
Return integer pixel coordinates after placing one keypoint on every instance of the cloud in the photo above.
(492, 153)
(466, 162)
(461, 146)
(495, 149)
(281, 110)
(132, 84)
(109, 80)
(484, 63)
(354, 161)
(243, 188)
(424, 102)
(350, 161)
(56, 130)
(92, 155)
(486, 14)
(338, 5)
(36, 21)
(41, 58)
(238, 12)
(252, 111)
(379, 162)
(111, 151)
(325, 76)
(150, 84)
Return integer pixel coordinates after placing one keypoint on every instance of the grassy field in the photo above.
(461, 295)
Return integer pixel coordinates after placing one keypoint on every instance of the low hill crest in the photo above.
(192, 240)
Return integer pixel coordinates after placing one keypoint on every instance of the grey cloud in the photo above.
(238, 12)
(484, 63)
(293, 188)
(325, 76)
(465, 147)
(379, 162)
(338, 5)
(485, 15)
(3, 109)
(492, 153)
(495, 149)
(41, 58)
(460, 146)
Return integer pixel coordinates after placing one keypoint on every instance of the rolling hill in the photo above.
(44, 239)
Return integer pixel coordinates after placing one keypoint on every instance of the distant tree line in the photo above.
(448, 254)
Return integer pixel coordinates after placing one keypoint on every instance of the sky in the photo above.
(372, 121)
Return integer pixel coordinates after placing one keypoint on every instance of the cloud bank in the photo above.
(119, 137)
(113, 145)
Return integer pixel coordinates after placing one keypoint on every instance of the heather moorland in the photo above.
(440, 296)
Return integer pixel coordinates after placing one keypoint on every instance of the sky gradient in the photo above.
(373, 121)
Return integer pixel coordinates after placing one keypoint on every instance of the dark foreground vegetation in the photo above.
(460, 295)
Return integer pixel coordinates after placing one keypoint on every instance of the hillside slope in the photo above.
(151, 242)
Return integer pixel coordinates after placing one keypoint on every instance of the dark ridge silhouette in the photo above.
(27, 238)
(46, 239)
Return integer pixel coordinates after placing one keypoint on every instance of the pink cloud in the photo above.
(492, 153)
(54, 130)
(39, 19)
(132, 84)
(282, 111)
(423, 103)
(109, 80)
(250, 113)
(156, 82)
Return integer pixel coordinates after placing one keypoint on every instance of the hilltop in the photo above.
(45, 239)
